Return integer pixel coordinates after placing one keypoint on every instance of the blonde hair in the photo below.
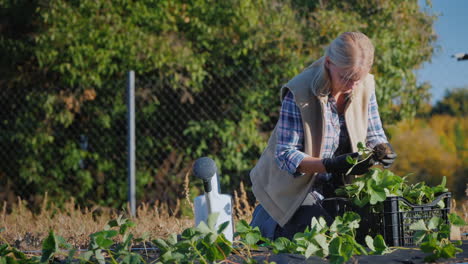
(351, 51)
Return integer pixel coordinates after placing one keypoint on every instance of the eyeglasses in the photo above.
(345, 77)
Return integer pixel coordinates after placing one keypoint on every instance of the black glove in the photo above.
(341, 165)
(384, 154)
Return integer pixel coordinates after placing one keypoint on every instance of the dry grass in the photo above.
(26, 230)
(241, 207)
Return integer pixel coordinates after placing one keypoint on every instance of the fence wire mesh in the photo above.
(72, 143)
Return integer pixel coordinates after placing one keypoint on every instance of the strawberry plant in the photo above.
(337, 242)
(372, 188)
(376, 185)
(434, 237)
(207, 244)
(204, 243)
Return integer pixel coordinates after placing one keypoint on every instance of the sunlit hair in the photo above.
(351, 51)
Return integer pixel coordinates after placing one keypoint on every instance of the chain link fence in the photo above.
(72, 143)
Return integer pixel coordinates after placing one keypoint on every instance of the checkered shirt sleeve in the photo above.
(290, 136)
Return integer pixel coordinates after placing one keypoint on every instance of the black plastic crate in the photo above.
(388, 219)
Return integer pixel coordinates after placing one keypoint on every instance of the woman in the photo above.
(326, 110)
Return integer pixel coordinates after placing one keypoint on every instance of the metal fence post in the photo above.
(131, 140)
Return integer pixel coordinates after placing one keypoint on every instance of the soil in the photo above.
(399, 256)
(381, 150)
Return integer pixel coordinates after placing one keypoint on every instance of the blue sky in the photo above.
(445, 72)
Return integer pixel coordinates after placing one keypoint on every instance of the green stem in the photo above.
(249, 254)
(406, 248)
(111, 256)
(203, 260)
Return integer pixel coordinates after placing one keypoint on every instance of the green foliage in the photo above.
(336, 242)
(431, 148)
(376, 185)
(204, 243)
(363, 151)
(453, 103)
(102, 243)
(207, 244)
(456, 220)
(435, 237)
(377, 245)
(420, 193)
(64, 65)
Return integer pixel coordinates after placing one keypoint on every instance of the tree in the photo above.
(69, 61)
(453, 103)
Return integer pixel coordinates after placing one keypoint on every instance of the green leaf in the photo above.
(441, 187)
(428, 247)
(347, 248)
(222, 227)
(49, 247)
(434, 223)
(350, 160)
(370, 243)
(282, 244)
(87, 255)
(380, 245)
(448, 251)
(160, 243)
(172, 239)
(359, 249)
(189, 233)
(376, 194)
(70, 257)
(212, 218)
(319, 224)
(106, 233)
(441, 204)
(336, 251)
(419, 236)
(99, 257)
(322, 241)
(456, 220)
(419, 225)
(361, 145)
(210, 238)
(18, 254)
(203, 228)
(111, 223)
(242, 226)
(311, 249)
(3, 249)
(132, 258)
(351, 219)
(252, 238)
(361, 203)
(104, 242)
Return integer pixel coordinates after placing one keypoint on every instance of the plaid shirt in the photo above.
(290, 134)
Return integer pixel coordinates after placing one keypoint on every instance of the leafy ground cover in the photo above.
(206, 244)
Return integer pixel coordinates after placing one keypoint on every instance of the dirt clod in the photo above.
(381, 150)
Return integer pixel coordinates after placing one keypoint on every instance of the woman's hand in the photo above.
(385, 154)
(341, 165)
